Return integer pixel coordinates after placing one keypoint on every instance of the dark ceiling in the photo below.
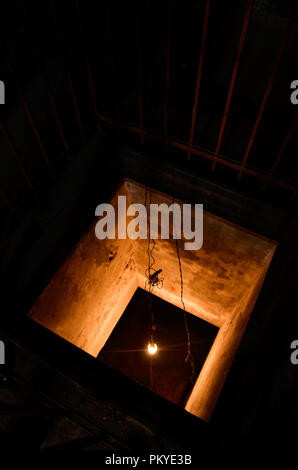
(204, 84)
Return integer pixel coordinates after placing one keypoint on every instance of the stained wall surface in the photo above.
(221, 281)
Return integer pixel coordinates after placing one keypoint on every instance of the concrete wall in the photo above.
(91, 290)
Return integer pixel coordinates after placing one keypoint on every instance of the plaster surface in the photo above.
(87, 296)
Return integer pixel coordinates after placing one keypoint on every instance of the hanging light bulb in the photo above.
(152, 348)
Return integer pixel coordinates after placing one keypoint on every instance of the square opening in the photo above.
(166, 372)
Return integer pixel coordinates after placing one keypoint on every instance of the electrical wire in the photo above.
(150, 283)
(151, 274)
(153, 280)
(188, 357)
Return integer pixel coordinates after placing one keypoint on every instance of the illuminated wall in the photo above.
(87, 296)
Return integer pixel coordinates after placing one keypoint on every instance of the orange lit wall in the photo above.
(87, 296)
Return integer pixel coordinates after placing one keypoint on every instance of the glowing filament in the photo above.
(152, 348)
